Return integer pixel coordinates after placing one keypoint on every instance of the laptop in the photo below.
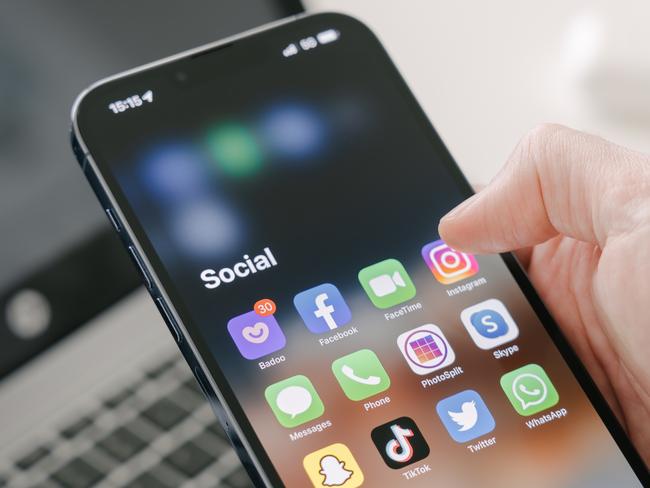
(93, 391)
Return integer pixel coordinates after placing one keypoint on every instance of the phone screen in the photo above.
(286, 190)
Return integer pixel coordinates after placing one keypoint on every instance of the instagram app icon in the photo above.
(447, 264)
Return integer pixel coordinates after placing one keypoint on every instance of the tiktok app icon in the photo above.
(400, 442)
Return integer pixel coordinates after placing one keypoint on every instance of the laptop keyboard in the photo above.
(158, 431)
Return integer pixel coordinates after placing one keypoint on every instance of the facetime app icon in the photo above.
(387, 283)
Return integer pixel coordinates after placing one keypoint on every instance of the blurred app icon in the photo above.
(489, 324)
(400, 442)
(361, 374)
(447, 264)
(322, 308)
(333, 465)
(256, 336)
(426, 349)
(465, 416)
(529, 389)
(387, 283)
(294, 401)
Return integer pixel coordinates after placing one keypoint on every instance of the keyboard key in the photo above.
(77, 474)
(239, 479)
(164, 414)
(193, 385)
(76, 427)
(122, 444)
(156, 371)
(32, 458)
(209, 442)
(118, 398)
(189, 459)
(147, 480)
(187, 398)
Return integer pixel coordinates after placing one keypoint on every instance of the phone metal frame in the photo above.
(253, 465)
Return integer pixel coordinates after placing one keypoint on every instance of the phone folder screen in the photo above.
(287, 190)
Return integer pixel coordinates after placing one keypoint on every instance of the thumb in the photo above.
(557, 180)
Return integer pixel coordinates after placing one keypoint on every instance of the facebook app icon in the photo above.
(322, 308)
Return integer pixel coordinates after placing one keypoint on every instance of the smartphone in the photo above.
(280, 193)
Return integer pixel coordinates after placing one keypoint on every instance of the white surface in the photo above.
(486, 72)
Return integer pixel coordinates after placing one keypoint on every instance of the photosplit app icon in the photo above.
(387, 283)
(322, 308)
(400, 442)
(255, 335)
(426, 349)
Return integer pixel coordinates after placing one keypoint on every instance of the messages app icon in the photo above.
(529, 389)
(387, 283)
(294, 401)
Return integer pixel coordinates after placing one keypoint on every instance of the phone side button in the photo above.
(143, 272)
(169, 319)
(115, 221)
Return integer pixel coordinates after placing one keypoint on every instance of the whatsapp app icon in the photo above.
(529, 389)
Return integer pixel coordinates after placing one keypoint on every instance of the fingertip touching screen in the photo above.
(286, 189)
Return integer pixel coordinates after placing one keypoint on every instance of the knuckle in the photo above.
(544, 144)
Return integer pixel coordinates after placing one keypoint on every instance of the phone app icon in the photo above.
(322, 308)
(333, 465)
(294, 401)
(489, 324)
(448, 265)
(400, 442)
(360, 374)
(387, 283)
(426, 349)
(465, 416)
(529, 389)
(256, 336)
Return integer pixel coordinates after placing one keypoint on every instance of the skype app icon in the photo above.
(489, 324)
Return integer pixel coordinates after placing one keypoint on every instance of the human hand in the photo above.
(577, 210)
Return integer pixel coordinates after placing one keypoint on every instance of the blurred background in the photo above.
(92, 388)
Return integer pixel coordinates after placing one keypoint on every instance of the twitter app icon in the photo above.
(465, 416)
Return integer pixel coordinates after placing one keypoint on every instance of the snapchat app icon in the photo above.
(333, 465)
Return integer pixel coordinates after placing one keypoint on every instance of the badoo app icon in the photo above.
(322, 308)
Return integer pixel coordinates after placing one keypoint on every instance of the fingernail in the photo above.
(460, 208)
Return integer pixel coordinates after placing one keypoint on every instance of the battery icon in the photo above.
(327, 36)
